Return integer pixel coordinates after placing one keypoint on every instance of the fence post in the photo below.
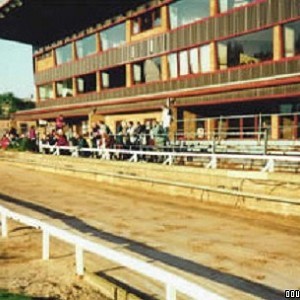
(4, 230)
(79, 260)
(170, 292)
(46, 245)
(265, 141)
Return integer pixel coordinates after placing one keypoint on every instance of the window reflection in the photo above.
(86, 83)
(187, 11)
(86, 46)
(46, 91)
(146, 21)
(113, 37)
(64, 54)
(114, 77)
(246, 49)
(64, 88)
(147, 71)
(292, 39)
(225, 5)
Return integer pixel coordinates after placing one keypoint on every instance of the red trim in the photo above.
(177, 94)
(178, 50)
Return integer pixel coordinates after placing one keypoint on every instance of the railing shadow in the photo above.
(239, 283)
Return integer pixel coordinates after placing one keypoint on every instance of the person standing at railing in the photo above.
(59, 123)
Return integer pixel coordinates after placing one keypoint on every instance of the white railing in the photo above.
(169, 157)
(173, 283)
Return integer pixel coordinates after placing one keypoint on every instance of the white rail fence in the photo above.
(173, 283)
(170, 157)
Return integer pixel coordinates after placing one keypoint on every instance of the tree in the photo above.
(9, 104)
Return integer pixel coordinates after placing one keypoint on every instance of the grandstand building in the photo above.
(223, 65)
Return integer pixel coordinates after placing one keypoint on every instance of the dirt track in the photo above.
(239, 254)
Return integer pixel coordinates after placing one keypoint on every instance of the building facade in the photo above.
(224, 65)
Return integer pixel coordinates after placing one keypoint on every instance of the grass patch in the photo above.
(8, 296)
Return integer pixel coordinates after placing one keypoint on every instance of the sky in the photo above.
(16, 69)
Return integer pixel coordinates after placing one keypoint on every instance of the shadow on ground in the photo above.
(259, 290)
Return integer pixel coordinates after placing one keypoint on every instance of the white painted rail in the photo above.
(173, 283)
(169, 157)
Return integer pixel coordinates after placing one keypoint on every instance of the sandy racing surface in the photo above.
(236, 253)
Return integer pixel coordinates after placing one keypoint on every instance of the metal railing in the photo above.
(173, 283)
(168, 158)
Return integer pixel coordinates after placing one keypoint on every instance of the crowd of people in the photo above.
(128, 135)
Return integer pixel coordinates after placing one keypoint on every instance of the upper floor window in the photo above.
(147, 70)
(44, 56)
(46, 91)
(246, 49)
(86, 83)
(292, 39)
(187, 11)
(114, 77)
(113, 36)
(192, 61)
(64, 88)
(146, 21)
(64, 54)
(86, 46)
(225, 5)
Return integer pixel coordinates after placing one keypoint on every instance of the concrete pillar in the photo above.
(98, 82)
(128, 30)
(74, 86)
(189, 124)
(173, 127)
(74, 51)
(164, 68)
(165, 21)
(275, 124)
(37, 94)
(54, 90)
(98, 43)
(210, 126)
(213, 57)
(214, 7)
(129, 79)
(277, 42)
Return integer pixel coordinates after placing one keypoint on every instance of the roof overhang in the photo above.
(40, 23)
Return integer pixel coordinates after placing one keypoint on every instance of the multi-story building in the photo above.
(210, 58)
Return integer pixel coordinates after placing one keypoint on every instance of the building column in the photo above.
(129, 79)
(54, 90)
(189, 124)
(37, 94)
(74, 51)
(74, 85)
(278, 42)
(173, 126)
(275, 124)
(165, 21)
(98, 43)
(128, 30)
(210, 126)
(214, 65)
(98, 82)
(164, 68)
(214, 7)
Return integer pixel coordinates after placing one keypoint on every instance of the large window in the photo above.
(146, 21)
(46, 91)
(192, 61)
(64, 54)
(87, 83)
(86, 46)
(292, 39)
(246, 49)
(225, 5)
(114, 77)
(147, 70)
(187, 11)
(64, 88)
(113, 37)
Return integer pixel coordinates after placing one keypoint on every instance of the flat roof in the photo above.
(40, 23)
